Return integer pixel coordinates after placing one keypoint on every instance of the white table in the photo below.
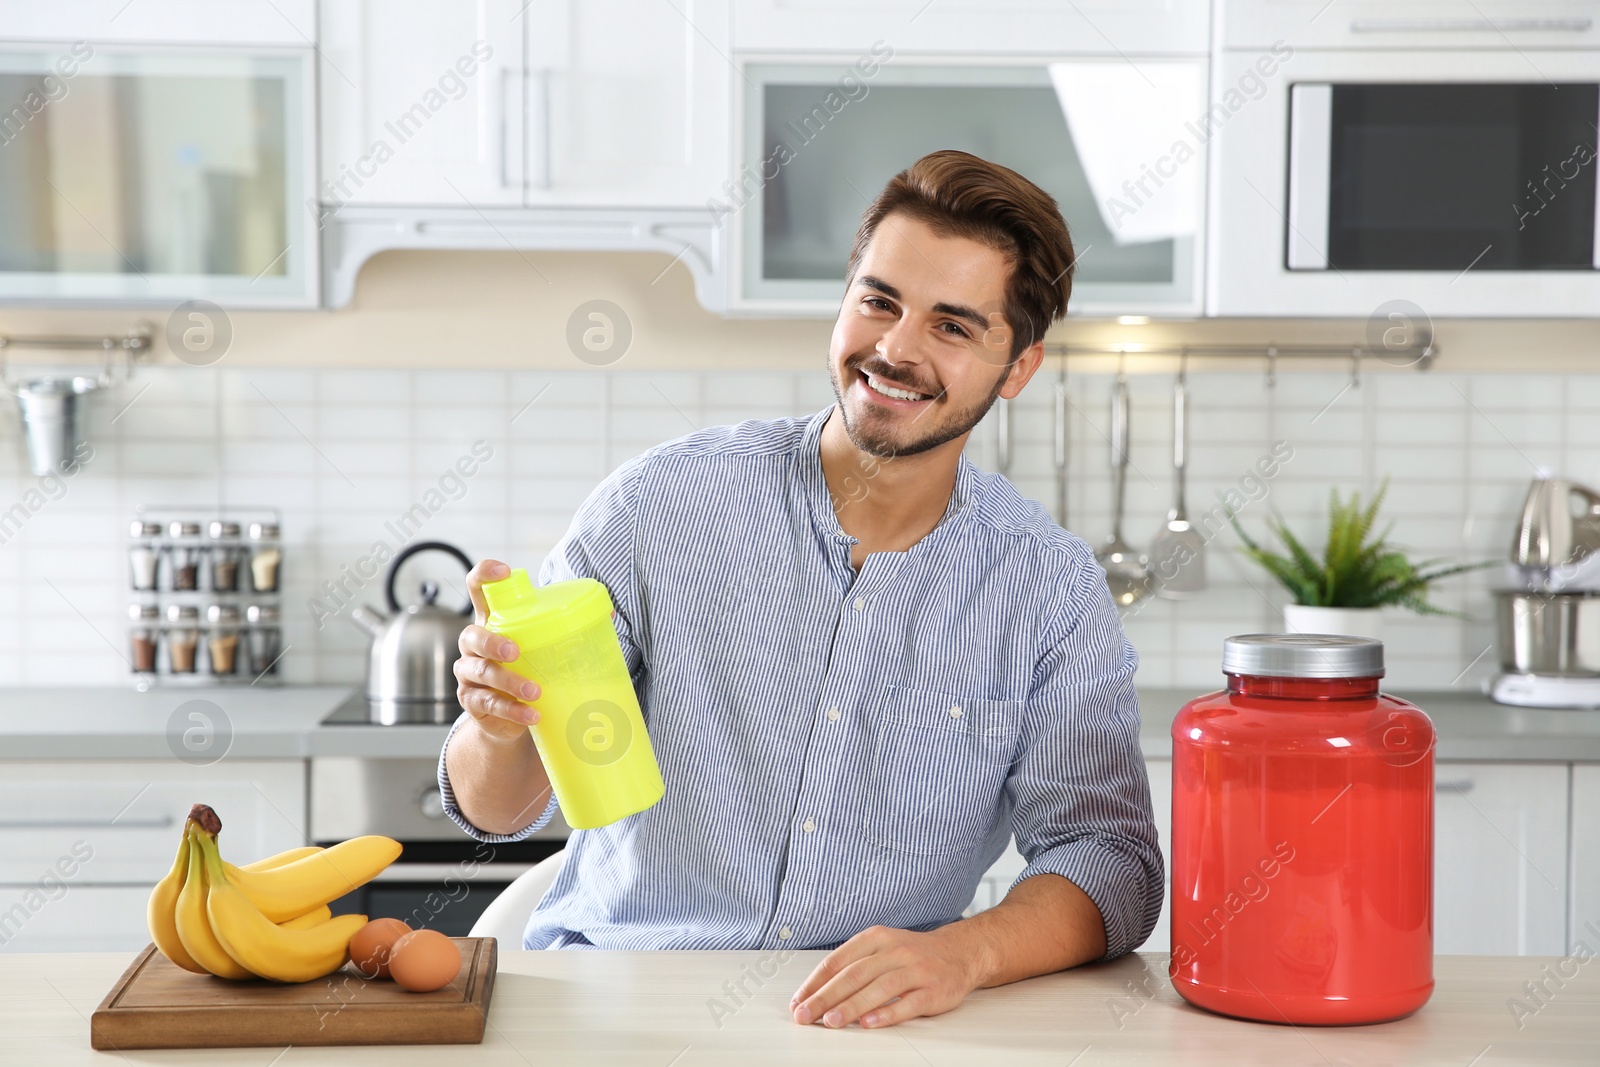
(673, 1009)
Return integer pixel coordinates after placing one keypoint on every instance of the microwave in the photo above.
(1462, 182)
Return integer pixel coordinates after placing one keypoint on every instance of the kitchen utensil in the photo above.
(1177, 555)
(1302, 732)
(155, 1004)
(414, 649)
(1127, 571)
(590, 735)
(1002, 437)
(53, 420)
(1058, 443)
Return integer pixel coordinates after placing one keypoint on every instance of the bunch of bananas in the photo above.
(268, 919)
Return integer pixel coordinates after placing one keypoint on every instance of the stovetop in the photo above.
(357, 710)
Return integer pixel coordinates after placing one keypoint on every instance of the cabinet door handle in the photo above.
(1535, 25)
(88, 824)
(542, 75)
(1453, 785)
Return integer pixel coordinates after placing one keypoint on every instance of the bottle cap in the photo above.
(1303, 656)
(549, 613)
(513, 593)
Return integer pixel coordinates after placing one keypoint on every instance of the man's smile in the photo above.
(890, 394)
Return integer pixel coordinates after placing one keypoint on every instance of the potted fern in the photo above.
(1357, 577)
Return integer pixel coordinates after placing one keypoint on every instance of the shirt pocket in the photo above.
(939, 763)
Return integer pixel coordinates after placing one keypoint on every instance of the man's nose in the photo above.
(901, 343)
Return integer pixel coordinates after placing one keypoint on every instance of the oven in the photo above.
(1459, 182)
(443, 879)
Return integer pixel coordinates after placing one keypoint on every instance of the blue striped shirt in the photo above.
(841, 751)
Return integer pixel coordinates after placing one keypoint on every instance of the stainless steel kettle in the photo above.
(410, 664)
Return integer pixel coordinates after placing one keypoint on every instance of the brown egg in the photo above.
(373, 946)
(424, 960)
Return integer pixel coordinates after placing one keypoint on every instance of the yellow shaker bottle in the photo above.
(590, 733)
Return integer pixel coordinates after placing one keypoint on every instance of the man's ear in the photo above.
(1022, 369)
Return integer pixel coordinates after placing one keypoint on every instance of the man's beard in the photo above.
(879, 440)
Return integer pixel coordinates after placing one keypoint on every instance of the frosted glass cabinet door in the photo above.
(1120, 145)
(150, 177)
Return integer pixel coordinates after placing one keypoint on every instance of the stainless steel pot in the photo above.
(410, 665)
(1549, 633)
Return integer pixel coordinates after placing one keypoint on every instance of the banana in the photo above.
(160, 913)
(259, 946)
(194, 926)
(288, 856)
(283, 892)
(314, 917)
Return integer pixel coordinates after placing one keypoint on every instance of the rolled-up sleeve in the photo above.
(1080, 791)
(600, 544)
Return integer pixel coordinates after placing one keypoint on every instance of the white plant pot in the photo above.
(1352, 622)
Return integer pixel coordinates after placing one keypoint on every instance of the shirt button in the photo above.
(808, 826)
(784, 934)
(955, 711)
(860, 603)
(833, 714)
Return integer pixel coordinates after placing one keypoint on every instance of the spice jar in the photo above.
(265, 638)
(183, 637)
(225, 551)
(144, 554)
(265, 557)
(183, 555)
(144, 629)
(1302, 837)
(222, 638)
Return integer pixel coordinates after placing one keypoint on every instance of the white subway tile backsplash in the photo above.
(344, 454)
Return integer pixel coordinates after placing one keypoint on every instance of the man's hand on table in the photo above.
(1044, 924)
(930, 973)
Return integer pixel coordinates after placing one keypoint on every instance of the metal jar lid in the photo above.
(181, 613)
(261, 613)
(222, 614)
(178, 528)
(1302, 656)
(144, 529)
(222, 530)
(144, 612)
(263, 531)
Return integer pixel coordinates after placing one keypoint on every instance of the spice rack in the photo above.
(205, 588)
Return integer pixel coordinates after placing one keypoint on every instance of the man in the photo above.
(864, 663)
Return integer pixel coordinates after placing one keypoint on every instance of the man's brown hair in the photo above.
(961, 195)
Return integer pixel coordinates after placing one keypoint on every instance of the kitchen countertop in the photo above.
(284, 722)
(674, 1009)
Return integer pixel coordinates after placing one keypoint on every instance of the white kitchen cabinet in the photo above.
(968, 26)
(1500, 859)
(422, 104)
(1583, 922)
(497, 103)
(628, 102)
(291, 23)
(1110, 141)
(82, 843)
(1413, 24)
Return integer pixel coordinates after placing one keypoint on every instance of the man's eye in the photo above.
(956, 327)
(878, 302)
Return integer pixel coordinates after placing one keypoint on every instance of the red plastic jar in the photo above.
(1302, 837)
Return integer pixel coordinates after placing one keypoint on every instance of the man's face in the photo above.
(922, 315)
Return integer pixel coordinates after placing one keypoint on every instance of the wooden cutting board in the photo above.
(156, 1004)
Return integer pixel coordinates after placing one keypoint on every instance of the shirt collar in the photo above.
(826, 520)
